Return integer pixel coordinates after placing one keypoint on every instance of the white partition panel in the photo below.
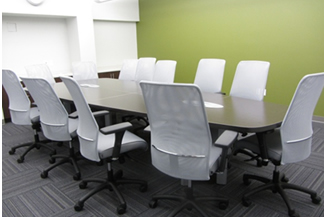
(114, 41)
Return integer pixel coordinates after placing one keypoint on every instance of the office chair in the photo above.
(55, 121)
(145, 69)
(249, 83)
(250, 80)
(165, 71)
(22, 113)
(84, 70)
(40, 71)
(105, 144)
(181, 144)
(128, 70)
(209, 75)
(290, 143)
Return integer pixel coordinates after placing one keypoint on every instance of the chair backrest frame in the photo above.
(40, 71)
(19, 103)
(250, 80)
(53, 115)
(84, 70)
(88, 130)
(209, 75)
(165, 71)
(180, 135)
(128, 70)
(145, 69)
(296, 129)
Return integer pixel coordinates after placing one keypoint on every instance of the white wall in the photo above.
(117, 10)
(31, 40)
(62, 31)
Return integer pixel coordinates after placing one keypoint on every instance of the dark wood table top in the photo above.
(236, 114)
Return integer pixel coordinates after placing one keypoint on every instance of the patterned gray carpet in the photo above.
(24, 193)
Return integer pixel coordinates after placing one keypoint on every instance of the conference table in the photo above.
(223, 111)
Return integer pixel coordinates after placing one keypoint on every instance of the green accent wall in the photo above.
(287, 33)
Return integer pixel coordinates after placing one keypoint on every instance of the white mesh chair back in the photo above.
(40, 71)
(53, 116)
(84, 70)
(165, 71)
(128, 70)
(250, 80)
(180, 135)
(209, 75)
(145, 69)
(19, 104)
(296, 129)
(87, 127)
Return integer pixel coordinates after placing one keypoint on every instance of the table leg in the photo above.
(263, 148)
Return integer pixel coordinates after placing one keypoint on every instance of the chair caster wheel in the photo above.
(78, 207)
(20, 160)
(246, 181)
(223, 205)
(143, 188)
(259, 163)
(284, 179)
(246, 202)
(52, 160)
(121, 209)
(274, 191)
(12, 151)
(44, 174)
(316, 199)
(76, 176)
(292, 213)
(153, 203)
(82, 185)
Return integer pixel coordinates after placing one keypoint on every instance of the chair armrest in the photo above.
(119, 130)
(100, 113)
(116, 128)
(225, 141)
(74, 115)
